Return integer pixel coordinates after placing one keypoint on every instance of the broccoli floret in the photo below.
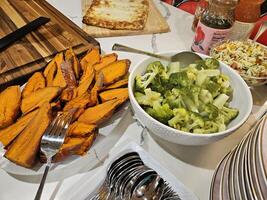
(174, 99)
(149, 98)
(196, 121)
(141, 82)
(157, 85)
(181, 117)
(156, 67)
(209, 127)
(180, 79)
(228, 114)
(162, 113)
(212, 63)
(200, 64)
(192, 72)
(208, 111)
(220, 100)
(205, 96)
(190, 97)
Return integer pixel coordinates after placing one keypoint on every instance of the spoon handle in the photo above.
(119, 47)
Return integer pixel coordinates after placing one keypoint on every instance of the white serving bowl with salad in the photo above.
(196, 105)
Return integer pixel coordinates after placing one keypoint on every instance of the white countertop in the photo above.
(193, 166)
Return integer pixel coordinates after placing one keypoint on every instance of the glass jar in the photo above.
(201, 7)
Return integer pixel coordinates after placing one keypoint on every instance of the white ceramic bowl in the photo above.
(242, 100)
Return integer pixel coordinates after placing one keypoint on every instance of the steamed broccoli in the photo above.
(149, 98)
(163, 113)
(228, 114)
(205, 96)
(209, 127)
(220, 100)
(196, 121)
(208, 111)
(181, 117)
(174, 98)
(141, 82)
(180, 79)
(174, 67)
(212, 87)
(212, 63)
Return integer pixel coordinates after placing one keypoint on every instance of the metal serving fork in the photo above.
(51, 142)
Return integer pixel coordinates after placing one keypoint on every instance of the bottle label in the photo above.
(241, 30)
(206, 37)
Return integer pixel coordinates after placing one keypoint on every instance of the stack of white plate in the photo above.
(242, 174)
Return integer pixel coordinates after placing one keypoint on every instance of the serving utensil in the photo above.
(185, 58)
(51, 142)
(262, 28)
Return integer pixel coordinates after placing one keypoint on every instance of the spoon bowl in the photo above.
(184, 58)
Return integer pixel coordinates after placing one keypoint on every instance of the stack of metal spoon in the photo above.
(128, 178)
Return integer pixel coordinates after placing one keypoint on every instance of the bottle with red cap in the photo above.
(247, 13)
(201, 7)
(214, 25)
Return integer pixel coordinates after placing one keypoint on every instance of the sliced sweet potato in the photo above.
(92, 57)
(105, 60)
(86, 144)
(8, 134)
(59, 78)
(73, 60)
(37, 81)
(78, 102)
(118, 93)
(99, 113)
(68, 94)
(10, 100)
(51, 73)
(25, 148)
(118, 84)
(68, 74)
(114, 71)
(79, 129)
(37, 98)
(97, 87)
(72, 145)
(86, 79)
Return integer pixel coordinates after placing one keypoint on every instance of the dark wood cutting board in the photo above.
(33, 51)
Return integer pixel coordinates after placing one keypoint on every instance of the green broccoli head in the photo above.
(180, 79)
(181, 117)
(142, 82)
(208, 111)
(173, 67)
(228, 114)
(209, 127)
(192, 72)
(212, 87)
(205, 96)
(174, 98)
(155, 67)
(162, 113)
(212, 63)
(200, 64)
(149, 98)
(195, 121)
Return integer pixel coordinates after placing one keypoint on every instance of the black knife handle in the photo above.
(19, 33)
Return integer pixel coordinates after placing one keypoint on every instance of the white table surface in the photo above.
(193, 166)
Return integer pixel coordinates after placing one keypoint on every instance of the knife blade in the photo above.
(20, 32)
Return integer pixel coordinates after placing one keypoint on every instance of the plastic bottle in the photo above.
(247, 14)
(201, 7)
(214, 25)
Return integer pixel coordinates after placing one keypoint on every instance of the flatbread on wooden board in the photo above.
(118, 14)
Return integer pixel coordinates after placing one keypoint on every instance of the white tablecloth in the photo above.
(193, 166)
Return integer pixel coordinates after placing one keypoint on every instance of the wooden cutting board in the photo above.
(36, 49)
(155, 24)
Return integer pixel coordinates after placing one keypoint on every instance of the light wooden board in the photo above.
(155, 24)
(32, 52)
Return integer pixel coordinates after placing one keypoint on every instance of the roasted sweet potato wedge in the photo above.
(86, 144)
(100, 112)
(10, 100)
(118, 84)
(25, 148)
(51, 73)
(79, 129)
(86, 79)
(37, 98)
(92, 57)
(118, 93)
(68, 94)
(59, 77)
(78, 102)
(36, 82)
(73, 60)
(8, 134)
(115, 71)
(97, 87)
(72, 145)
(105, 60)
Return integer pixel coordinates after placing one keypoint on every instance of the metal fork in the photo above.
(51, 142)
